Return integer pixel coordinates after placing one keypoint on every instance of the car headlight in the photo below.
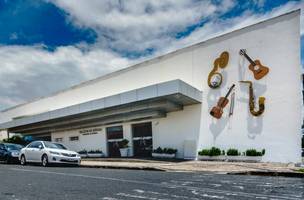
(54, 153)
(15, 154)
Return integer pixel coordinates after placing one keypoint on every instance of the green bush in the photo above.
(254, 152)
(215, 151)
(170, 151)
(83, 152)
(158, 150)
(16, 139)
(124, 144)
(165, 150)
(233, 152)
(95, 151)
(204, 152)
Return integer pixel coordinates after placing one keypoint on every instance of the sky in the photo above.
(50, 45)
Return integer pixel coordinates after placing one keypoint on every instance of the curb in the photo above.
(123, 167)
(270, 173)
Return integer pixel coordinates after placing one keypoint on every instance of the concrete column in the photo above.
(127, 132)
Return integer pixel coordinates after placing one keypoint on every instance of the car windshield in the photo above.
(60, 146)
(52, 145)
(13, 147)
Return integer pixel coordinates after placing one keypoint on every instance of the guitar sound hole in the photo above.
(256, 67)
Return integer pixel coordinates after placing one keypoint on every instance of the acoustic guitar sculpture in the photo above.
(259, 71)
(215, 78)
(217, 111)
(251, 101)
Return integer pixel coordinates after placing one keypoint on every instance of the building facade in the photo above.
(166, 101)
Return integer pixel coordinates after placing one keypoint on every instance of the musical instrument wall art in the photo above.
(259, 70)
(217, 111)
(232, 99)
(215, 79)
(251, 101)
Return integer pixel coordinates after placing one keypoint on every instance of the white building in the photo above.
(166, 101)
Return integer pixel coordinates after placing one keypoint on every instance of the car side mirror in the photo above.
(40, 147)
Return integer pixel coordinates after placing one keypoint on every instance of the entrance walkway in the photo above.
(187, 166)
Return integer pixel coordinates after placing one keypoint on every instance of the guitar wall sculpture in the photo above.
(217, 111)
(251, 101)
(215, 79)
(259, 71)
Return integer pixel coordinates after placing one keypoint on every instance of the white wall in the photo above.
(275, 42)
(3, 135)
(170, 132)
(87, 142)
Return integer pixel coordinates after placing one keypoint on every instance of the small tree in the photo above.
(16, 139)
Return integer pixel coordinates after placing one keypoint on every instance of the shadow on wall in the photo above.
(254, 124)
(217, 125)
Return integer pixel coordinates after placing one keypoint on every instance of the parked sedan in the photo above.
(9, 152)
(46, 153)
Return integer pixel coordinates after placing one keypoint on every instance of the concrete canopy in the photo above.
(144, 103)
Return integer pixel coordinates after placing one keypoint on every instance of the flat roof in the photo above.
(175, 91)
(155, 59)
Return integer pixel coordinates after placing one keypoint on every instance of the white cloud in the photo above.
(137, 25)
(27, 72)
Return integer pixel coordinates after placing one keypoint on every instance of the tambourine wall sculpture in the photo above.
(215, 79)
(251, 101)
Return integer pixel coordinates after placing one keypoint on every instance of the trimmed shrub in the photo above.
(83, 152)
(158, 150)
(165, 150)
(204, 152)
(95, 151)
(214, 151)
(233, 152)
(254, 152)
(171, 151)
(124, 144)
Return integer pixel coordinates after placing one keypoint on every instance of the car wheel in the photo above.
(22, 160)
(7, 160)
(45, 161)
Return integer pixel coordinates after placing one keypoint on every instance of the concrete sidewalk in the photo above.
(191, 166)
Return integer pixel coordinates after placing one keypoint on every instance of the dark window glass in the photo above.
(114, 132)
(142, 129)
(74, 138)
(35, 145)
(12, 147)
(2, 147)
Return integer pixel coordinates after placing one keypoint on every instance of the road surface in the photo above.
(56, 183)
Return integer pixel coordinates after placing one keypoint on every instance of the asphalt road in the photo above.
(56, 183)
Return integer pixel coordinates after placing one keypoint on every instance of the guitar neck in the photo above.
(249, 59)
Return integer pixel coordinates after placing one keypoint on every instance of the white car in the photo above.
(48, 152)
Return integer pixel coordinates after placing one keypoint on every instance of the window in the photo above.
(142, 129)
(35, 145)
(74, 138)
(58, 139)
(114, 132)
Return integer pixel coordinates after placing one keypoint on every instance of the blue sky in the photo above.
(49, 45)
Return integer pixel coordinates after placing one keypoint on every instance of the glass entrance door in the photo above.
(114, 136)
(142, 139)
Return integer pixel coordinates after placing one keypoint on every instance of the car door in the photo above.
(37, 152)
(29, 151)
(2, 151)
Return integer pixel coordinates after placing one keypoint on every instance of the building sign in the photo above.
(92, 131)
